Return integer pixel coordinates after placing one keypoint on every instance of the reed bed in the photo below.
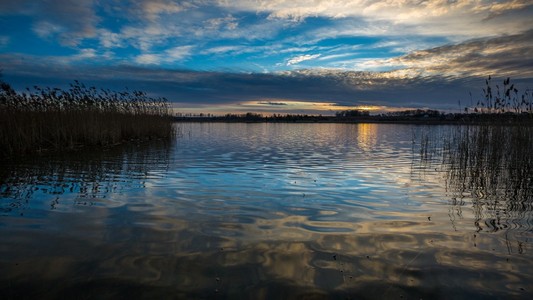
(493, 163)
(55, 119)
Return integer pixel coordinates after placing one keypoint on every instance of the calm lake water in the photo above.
(267, 211)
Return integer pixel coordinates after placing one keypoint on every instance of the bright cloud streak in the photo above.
(299, 59)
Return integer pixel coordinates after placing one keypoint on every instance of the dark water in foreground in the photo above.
(268, 211)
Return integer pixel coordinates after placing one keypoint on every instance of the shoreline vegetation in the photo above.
(419, 116)
(500, 105)
(52, 119)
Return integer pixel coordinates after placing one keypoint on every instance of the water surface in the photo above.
(265, 211)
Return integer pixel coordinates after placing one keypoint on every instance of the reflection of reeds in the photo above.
(86, 175)
(492, 162)
(50, 118)
(491, 168)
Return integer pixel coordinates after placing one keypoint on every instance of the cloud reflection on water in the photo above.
(260, 211)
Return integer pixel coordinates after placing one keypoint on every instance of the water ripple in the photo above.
(291, 210)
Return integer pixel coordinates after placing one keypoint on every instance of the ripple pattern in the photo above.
(264, 211)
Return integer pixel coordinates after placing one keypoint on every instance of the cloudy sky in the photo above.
(312, 56)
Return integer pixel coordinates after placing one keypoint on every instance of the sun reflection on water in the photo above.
(366, 136)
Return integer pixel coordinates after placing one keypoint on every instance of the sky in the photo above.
(277, 56)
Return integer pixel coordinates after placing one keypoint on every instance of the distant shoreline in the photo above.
(454, 119)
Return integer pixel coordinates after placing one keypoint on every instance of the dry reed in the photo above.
(54, 119)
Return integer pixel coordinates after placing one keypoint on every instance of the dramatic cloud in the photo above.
(395, 53)
(459, 17)
(505, 56)
(209, 90)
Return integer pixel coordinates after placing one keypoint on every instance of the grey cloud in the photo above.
(17, 7)
(160, 22)
(506, 56)
(206, 89)
(273, 103)
(149, 10)
(69, 20)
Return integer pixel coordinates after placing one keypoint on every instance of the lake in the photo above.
(273, 211)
